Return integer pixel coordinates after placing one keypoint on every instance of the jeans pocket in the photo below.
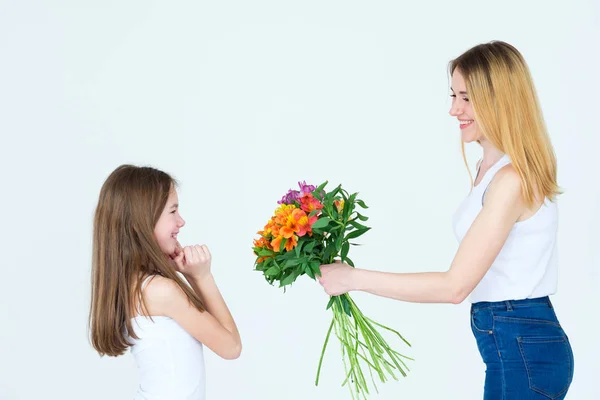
(548, 361)
(482, 321)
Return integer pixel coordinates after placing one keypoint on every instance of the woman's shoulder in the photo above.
(507, 179)
(505, 190)
(508, 185)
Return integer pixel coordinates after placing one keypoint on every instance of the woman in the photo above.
(506, 261)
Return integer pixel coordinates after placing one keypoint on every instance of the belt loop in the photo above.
(509, 306)
(549, 302)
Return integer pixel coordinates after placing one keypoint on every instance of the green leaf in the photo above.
(349, 206)
(346, 306)
(309, 271)
(344, 195)
(356, 233)
(329, 250)
(260, 267)
(335, 228)
(349, 262)
(357, 225)
(335, 191)
(295, 261)
(265, 252)
(331, 300)
(319, 193)
(288, 255)
(361, 203)
(273, 271)
(288, 279)
(282, 244)
(321, 186)
(264, 265)
(299, 247)
(309, 247)
(338, 243)
(321, 223)
(314, 265)
(361, 217)
(345, 249)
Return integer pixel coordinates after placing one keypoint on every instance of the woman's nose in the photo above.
(455, 110)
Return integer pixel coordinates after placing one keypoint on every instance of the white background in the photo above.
(239, 100)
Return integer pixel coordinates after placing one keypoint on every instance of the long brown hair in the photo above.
(125, 251)
(507, 110)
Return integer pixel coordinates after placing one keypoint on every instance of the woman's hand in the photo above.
(336, 278)
(192, 261)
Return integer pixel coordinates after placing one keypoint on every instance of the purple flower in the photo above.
(290, 197)
(294, 195)
(306, 189)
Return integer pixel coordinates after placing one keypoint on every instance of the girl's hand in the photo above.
(193, 261)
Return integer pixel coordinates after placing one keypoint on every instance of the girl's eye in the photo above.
(465, 99)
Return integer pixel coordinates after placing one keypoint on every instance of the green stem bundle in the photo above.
(362, 344)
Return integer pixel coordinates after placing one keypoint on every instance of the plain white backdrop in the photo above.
(239, 100)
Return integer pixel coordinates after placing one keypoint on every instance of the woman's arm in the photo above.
(476, 253)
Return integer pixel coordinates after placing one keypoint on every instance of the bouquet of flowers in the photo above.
(311, 227)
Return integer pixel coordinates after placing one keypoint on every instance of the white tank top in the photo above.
(526, 266)
(170, 361)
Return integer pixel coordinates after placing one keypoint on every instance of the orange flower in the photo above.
(290, 225)
(304, 222)
(285, 226)
(289, 245)
(262, 242)
(288, 222)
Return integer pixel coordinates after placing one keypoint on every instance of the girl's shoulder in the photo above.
(159, 292)
(157, 286)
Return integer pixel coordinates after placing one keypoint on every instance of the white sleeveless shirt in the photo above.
(526, 266)
(170, 361)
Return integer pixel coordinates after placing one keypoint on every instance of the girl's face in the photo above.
(462, 109)
(168, 225)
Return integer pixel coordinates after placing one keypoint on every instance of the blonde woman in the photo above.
(506, 262)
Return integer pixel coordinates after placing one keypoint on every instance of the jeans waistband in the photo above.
(510, 304)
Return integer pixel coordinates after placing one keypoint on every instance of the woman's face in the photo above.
(462, 109)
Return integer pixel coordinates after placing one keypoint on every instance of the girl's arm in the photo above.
(214, 328)
(476, 253)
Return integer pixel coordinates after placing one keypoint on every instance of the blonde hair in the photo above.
(507, 111)
(125, 251)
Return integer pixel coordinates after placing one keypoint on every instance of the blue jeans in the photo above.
(526, 352)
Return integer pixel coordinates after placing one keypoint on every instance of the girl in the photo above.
(506, 261)
(138, 298)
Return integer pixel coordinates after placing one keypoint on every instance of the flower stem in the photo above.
(323, 351)
(349, 324)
